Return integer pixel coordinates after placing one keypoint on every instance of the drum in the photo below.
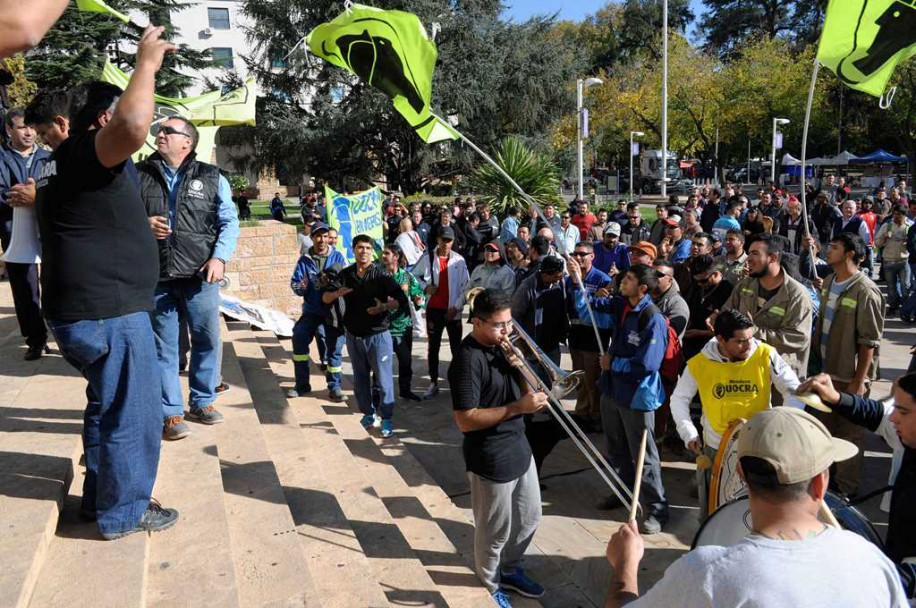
(732, 522)
(725, 483)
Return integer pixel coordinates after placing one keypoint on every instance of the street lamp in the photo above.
(580, 86)
(632, 135)
(776, 122)
(664, 98)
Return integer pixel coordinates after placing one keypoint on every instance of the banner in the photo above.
(390, 51)
(207, 112)
(98, 6)
(258, 316)
(359, 213)
(864, 40)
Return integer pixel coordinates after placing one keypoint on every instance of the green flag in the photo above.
(98, 6)
(864, 40)
(390, 51)
(207, 112)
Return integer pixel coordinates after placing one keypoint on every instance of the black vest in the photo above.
(851, 228)
(196, 225)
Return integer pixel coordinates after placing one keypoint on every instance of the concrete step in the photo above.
(406, 488)
(192, 563)
(271, 567)
(445, 566)
(41, 409)
(342, 573)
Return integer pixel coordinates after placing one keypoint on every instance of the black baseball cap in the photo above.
(446, 232)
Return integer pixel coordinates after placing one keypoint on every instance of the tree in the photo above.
(76, 48)
(730, 24)
(495, 78)
(533, 171)
(21, 90)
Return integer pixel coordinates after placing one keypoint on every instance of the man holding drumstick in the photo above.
(489, 398)
(790, 558)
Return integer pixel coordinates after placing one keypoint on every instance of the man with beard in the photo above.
(708, 292)
(733, 265)
(778, 304)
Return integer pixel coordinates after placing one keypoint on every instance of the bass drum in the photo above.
(732, 522)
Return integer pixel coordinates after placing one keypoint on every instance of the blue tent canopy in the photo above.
(878, 156)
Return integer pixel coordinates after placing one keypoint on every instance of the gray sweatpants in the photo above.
(506, 515)
(623, 431)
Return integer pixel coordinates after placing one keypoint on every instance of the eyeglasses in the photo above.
(503, 325)
(581, 254)
(167, 130)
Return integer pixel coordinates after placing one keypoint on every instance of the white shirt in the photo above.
(411, 245)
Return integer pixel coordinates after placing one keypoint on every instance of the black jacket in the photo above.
(376, 284)
(196, 225)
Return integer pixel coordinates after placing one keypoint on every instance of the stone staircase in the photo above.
(288, 503)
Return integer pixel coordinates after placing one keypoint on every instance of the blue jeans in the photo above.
(897, 275)
(199, 301)
(122, 425)
(304, 330)
(321, 341)
(372, 353)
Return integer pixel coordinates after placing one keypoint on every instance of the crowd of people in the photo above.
(716, 310)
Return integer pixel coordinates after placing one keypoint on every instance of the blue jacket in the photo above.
(581, 333)
(636, 356)
(682, 250)
(605, 258)
(13, 169)
(307, 267)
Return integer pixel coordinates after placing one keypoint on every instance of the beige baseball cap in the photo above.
(794, 442)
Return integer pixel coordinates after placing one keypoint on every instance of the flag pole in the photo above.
(804, 156)
(537, 209)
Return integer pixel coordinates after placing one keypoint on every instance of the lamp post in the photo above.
(776, 122)
(664, 97)
(581, 85)
(632, 135)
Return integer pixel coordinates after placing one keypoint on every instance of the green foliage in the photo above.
(75, 49)
(238, 182)
(730, 24)
(22, 89)
(533, 171)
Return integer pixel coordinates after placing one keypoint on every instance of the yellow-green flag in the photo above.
(390, 51)
(98, 6)
(207, 112)
(864, 40)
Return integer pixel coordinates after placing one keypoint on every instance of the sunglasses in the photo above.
(581, 254)
(167, 130)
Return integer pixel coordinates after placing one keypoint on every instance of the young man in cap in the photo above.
(642, 252)
(444, 276)
(680, 246)
(306, 282)
(790, 558)
(610, 254)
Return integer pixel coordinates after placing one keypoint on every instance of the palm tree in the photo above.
(533, 171)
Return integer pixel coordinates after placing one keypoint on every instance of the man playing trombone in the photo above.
(489, 398)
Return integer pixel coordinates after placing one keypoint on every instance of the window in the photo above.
(219, 18)
(222, 57)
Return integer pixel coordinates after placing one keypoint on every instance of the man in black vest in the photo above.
(194, 220)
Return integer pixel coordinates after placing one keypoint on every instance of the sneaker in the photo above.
(431, 391)
(221, 388)
(521, 584)
(653, 523)
(175, 428)
(292, 393)
(155, 519)
(377, 422)
(608, 503)
(411, 396)
(501, 599)
(206, 415)
(336, 396)
(368, 420)
(386, 428)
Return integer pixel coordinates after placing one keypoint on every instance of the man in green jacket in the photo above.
(778, 304)
(846, 340)
(400, 322)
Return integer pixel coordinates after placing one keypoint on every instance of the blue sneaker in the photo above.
(386, 428)
(367, 420)
(501, 599)
(521, 584)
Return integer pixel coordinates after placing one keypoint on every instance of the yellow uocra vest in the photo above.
(732, 390)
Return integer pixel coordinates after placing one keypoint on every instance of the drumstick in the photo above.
(638, 482)
(825, 512)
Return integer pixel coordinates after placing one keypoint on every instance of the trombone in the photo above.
(562, 383)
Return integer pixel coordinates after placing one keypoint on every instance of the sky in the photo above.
(573, 10)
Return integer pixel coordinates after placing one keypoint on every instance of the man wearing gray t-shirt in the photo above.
(790, 557)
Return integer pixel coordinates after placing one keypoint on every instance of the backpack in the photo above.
(673, 362)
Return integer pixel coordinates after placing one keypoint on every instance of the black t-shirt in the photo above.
(99, 257)
(481, 377)
(376, 284)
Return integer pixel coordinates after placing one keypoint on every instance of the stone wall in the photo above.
(263, 263)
